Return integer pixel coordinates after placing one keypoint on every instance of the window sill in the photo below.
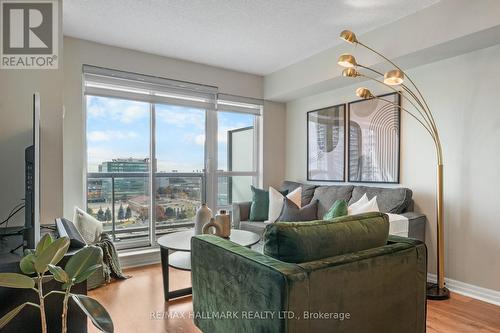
(139, 257)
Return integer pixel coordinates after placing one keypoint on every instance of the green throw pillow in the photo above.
(259, 210)
(339, 208)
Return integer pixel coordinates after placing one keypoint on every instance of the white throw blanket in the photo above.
(398, 225)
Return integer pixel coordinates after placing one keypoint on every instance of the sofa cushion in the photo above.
(389, 200)
(299, 242)
(291, 212)
(338, 209)
(277, 201)
(307, 190)
(259, 209)
(253, 226)
(327, 195)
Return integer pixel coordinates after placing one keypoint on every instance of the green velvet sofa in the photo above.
(345, 275)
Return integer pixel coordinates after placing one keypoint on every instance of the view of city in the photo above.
(177, 197)
(118, 134)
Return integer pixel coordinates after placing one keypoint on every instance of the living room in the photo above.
(225, 166)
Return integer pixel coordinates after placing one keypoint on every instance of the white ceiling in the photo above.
(255, 36)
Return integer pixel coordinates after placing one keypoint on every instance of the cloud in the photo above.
(200, 139)
(108, 135)
(182, 117)
(116, 109)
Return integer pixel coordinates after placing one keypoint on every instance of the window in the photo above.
(157, 149)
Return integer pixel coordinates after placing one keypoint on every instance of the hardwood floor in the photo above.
(132, 302)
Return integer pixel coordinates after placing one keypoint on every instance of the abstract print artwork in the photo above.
(374, 132)
(326, 144)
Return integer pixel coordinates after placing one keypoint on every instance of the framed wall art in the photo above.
(374, 140)
(326, 144)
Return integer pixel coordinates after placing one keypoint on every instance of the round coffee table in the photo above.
(181, 259)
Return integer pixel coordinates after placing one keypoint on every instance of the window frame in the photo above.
(221, 103)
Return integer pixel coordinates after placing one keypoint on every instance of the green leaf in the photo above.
(14, 280)
(43, 243)
(52, 254)
(81, 261)
(27, 264)
(28, 251)
(59, 274)
(11, 315)
(95, 311)
(85, 275)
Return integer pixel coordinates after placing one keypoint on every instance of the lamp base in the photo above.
(436, 293)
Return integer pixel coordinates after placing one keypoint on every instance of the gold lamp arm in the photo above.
(408, 112)
(422, 105)
(428, 126)
(415, 117)
(409, 79)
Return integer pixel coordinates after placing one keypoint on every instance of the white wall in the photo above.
(462, 92)
(78, 52)
(274, 147)
(16, 122)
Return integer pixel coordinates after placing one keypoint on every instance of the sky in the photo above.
(120, 129)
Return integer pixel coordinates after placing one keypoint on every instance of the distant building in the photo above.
(125, 165)
(125, 188)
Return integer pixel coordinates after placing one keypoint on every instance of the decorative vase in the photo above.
(212, 228)
(203, 216)
(224, 222)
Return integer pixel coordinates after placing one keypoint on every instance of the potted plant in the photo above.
(40, 265)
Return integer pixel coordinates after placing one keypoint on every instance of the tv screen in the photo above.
(32, 181)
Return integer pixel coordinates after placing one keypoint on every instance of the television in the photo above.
(31, 232)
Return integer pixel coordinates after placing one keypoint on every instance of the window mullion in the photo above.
(211, 158)
(152, 175)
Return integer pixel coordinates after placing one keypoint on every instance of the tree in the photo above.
(182, 215)
(107, 215)
(169, 212)
(128, 213)
(121, 213)
(143, 215)
(100, 214)
(160, 214)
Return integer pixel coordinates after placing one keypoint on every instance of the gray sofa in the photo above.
(390, 200)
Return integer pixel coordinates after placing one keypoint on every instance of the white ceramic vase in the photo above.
(203, 216)
(224, 222)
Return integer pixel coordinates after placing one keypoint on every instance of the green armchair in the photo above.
(369, 289)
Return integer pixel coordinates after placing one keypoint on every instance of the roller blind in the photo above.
(240, 104)
(124, 85)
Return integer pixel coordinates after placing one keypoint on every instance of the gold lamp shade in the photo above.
(350, 72)
(347, 60)
(364, 93)
(348, 36)
(394, 77)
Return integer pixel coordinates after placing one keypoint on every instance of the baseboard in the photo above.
(139, 258)
(462, 288)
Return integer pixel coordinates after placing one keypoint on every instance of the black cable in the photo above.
(48, 226)
(13, 212)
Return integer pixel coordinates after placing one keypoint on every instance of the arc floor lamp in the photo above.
(420, 112)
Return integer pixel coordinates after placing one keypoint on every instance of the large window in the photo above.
(157, 149)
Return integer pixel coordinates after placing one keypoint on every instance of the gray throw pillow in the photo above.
(307, 190)
(292, 213)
